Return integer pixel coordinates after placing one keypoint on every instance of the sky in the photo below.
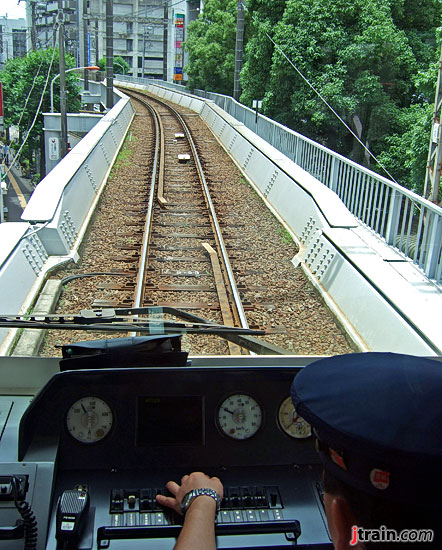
(11, 8)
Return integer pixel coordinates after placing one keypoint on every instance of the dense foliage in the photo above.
(120, 65)
(23, 81)
(211, 46)
(373, 61)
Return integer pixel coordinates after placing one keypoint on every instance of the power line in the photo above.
(37, 112)
(329, 106)
(29, 93)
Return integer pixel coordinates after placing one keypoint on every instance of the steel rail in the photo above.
(216, 226)
(237, 303)
(148, 225)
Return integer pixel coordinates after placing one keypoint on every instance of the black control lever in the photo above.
(72, 512)
(106, 534)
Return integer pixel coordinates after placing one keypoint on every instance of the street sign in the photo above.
(54, 148)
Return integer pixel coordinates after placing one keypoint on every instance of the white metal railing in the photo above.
(405, 220)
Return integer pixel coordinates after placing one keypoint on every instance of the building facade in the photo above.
(12, 39)
(147, 34)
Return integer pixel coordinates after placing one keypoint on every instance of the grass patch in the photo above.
(125, 155)
(286, 237)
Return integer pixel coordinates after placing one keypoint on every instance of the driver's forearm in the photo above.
(198, 532)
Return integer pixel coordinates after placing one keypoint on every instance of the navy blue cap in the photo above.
(378, 419)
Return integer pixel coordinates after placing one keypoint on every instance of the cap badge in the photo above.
(337, 458)
(380, 479)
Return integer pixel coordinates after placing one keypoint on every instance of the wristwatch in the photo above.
(189, 497)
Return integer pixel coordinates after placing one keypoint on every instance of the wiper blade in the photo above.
(131, 320)
(121, 320)
(148, 326)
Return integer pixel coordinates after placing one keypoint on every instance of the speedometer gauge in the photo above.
(291, 423)
(239, 416)
(89, 419)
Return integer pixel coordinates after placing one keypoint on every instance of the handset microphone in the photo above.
(72, 512)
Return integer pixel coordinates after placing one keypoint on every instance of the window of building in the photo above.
(18, 43)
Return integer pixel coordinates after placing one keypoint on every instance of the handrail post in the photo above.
(394, 212)
(434, 246)
(333, 181)
(298, 153)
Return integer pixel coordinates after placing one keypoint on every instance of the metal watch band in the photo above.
(194, 493)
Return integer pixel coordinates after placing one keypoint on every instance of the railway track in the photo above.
(182, 238)
(180, 248)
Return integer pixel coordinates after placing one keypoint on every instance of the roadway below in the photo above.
(19, 191)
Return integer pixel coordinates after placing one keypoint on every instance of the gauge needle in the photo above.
(82, 406)
(231, 412)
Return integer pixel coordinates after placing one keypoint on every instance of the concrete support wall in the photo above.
(57, 214)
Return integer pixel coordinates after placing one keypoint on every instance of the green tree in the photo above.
(406, 150)
(255, 74)
(120, 65)
(357, 59)
(211, 46)
(373, 61)
(23, 82)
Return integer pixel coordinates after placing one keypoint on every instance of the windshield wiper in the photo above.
(132, 320)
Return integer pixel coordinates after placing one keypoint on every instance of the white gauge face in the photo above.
(239, 416)
(89, 419)
(291, 423)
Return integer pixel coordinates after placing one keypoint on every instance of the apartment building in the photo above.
(12, 39)
(147, 34)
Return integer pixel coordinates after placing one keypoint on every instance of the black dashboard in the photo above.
(123, 433)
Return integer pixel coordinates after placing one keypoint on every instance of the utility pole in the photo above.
(33, 29)
(85, 62)
(97, 54)
(62, 65)
(109, 54)
(238, 49)
(165, 38)
(434, 163)
(144, 52)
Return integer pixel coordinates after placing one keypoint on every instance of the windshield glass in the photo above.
(267, 208)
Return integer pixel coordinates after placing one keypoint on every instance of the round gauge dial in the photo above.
(291, 423)
(89, 419)
(239, 416)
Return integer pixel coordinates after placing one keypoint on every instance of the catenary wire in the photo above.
(329, 106)
(17, 155)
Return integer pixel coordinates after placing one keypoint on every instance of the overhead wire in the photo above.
(37, 112)
(29, 93)
(329, 106)
(153, 8)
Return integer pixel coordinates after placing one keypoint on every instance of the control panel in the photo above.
(118, 436)
(130, 507)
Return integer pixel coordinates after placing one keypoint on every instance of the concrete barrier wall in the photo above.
(22, 260)
(57, 214)
(63, 198)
